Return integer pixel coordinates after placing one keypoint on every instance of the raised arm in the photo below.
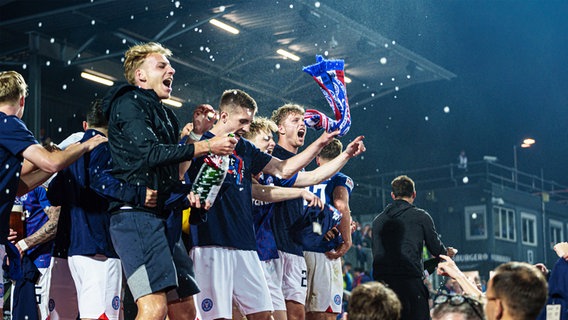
(448, 268)
(327, 170)
(287, 168)
(278, 194)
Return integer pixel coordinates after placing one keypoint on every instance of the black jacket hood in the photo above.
(397, 208)
(113, 94)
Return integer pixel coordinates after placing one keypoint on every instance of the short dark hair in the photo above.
(332, 150)
(522, 287)
(402, 186)
(95, 115)
(234, 98)
(374, 301)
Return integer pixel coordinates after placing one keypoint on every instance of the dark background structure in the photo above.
(478, 76)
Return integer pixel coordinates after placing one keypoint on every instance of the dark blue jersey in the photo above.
(34, 203)
(262, 214)
(324, 191)
(286, 213)
(310, 231)
(82, 191)
(229, 221)
(14, 139)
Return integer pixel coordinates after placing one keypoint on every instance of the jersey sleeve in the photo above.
(14, 136)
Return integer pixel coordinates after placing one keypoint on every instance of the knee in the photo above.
(152, 310)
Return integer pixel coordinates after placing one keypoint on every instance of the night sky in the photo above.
(510, 58)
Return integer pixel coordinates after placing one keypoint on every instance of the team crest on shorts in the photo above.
(337, 299)
(207, 304)
(51, 305)
(116, 303)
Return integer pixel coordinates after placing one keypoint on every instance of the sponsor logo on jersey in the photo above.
(349, 183)
(207, 304)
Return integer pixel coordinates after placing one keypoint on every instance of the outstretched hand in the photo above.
(356, 147)
(327, 137)
(561, 250)
(448, 267)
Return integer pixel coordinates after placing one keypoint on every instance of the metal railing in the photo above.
(451, 175)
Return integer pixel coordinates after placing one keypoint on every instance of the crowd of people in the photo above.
(120, 201)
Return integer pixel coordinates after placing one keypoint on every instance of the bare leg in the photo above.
(321, 316)
(279, 315)
(152, 307)
(264, 315)
(295, 310)
(183, 309)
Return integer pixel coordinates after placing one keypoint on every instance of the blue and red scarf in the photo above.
(330, 76)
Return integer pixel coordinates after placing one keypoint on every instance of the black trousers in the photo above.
(412, 294)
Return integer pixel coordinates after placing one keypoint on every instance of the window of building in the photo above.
(475, 223)
(556, 232)
(504, 224)
(528, 225)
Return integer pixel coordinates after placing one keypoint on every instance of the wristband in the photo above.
(23, 245)
(194, 136)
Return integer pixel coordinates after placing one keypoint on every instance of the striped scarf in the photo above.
(329, 76)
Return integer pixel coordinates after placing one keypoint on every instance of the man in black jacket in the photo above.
(399, 233)
(143, 140)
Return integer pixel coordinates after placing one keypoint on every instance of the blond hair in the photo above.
(258, 125)
(374, 301)
(136, 55)
(12, 87)
(281, 113)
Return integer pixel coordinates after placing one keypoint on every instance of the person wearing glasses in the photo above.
(457, 307)
(517, 290)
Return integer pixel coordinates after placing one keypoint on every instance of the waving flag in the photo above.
(329, 76)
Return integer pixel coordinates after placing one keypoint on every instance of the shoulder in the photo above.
(344, 180)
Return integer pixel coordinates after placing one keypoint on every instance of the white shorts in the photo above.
(42, 290)
(272, 273)
(294, 278)
(325, 283)
(98, 281)
(62, 294)
(224, 274)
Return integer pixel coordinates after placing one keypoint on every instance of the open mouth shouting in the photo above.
(168, 83)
